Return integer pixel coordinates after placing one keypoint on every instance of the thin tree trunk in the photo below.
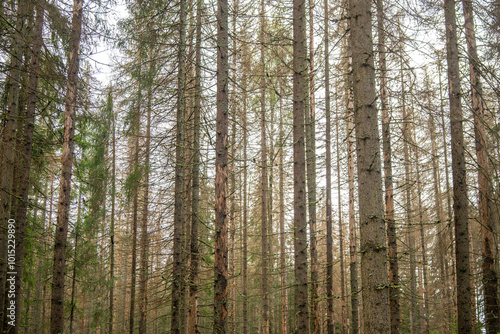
(135, 205)
(448, 197)
(311, 178)
(178, 257)
(284, 308)
(353, 264)
(490, 279)
(445, 296)
(460, 200)
(300, 101)
(195, 192)
(112, 226)
(263, 176)
(143, 272)
(389, 190)
(232, 224)
(245, 200)
(328, 142)
(221, 166)
(425, 313)
(57, 307)
(371, 211)
(341, 235)
(414, 315)
(73, 278)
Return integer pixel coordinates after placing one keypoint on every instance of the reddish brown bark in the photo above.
(58, 274)
(221, 166)
(300, 101)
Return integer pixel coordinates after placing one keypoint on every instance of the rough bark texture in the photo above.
(389, 189)
(311, 179)
(490, 279)
(221, 166)
(460, 201)
(143, 272)
(135, 208)
(7, 154)
(341, 234)
(195, 193)
(284, 308)
(300, 101)
(178, 258)
(263, 177)
(371, 212)
(112, 223)
(353, 264)
(58, 274)
(329, 240)
(244, 273)
(441, 246)
(27, 149)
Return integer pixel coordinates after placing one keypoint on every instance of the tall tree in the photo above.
(300, 101)
(27, 151)
(59, 270)
(284, 308)
(460, 200)
(389, 189)
(263, 175)
(353, 262)
(372, 226)
(178, 257)
(195, 192)
(143, 272)
(112, 218)
(490, 279)
(328, 156)
(135, 177)
(221, 166)
(311, 177)
(7, 147)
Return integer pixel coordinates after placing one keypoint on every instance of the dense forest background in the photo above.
(250, 166)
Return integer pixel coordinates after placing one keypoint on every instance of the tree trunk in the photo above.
(24, 181)
(407, 137)
(221, 162)
(195, 192)
(425, 313)
(371, 212)
(57, 307)
(300, 101)
(178, 256)
(263, 175)
(448, 195)
(441, 246)
(490, 279)
(353, 264)
(389, 190)
(73, 278)
(311, 178)
(143, 272)
(7, 159)
(112, 225)
(284, 308)
(328, 142)
(341, 235)
(245, 199)
(135, 203)
(460, 200)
